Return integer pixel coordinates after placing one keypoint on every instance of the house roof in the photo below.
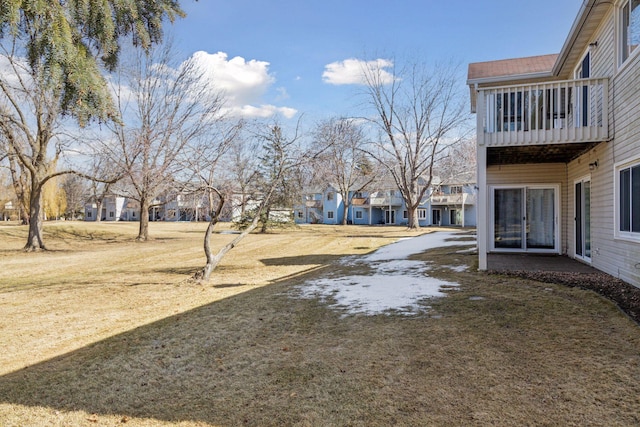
(558, 66)
(580, 37)
(504, 68)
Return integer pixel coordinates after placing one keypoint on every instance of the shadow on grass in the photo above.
(263, 358)
(184, 271)
(229, 285)
(226, 363)
(302, 260)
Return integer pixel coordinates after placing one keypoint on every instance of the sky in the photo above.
(292, 57)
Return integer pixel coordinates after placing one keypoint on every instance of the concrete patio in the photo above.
(537, 262)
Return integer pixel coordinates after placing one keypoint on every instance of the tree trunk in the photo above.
(34, 239)
(99, 209)
(265, 219)
(414, 223)
(345, 212)
(214, 260)
(143, 230)
(19, 188)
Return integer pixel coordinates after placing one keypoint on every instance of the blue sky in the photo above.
(270, 56)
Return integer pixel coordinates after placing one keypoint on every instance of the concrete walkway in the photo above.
(537, 262)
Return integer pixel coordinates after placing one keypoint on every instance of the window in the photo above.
(629, 201)
(358, 214)
(300, 214)
(405, 214)
(329, 196)
(456, 189)
(112, 214)
(330, 215)
(422, 214)
(88, 214)
(629, 28)
(134, 214)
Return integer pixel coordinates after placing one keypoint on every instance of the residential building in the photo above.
(453, 204)
(449, 205)
(310, 211)
(114, 208)
(558, 145)
(183, 207)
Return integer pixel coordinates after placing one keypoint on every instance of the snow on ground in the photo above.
(392, 284)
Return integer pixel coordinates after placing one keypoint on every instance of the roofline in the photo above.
(581, 18)
(509, 78)
(578, 23)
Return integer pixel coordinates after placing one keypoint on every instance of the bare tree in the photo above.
(284, 154)
(51, 57)
(76, 191)
(344, 162)
(19, 181)
(204, 159)
(458, 162)
(243, 166)
(164, 106)
(415, 110)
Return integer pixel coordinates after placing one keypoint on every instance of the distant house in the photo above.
(118, 208)
(114, 208)
(453, 204)
(183, 207)
(310, 211)
(10, 211)
(385, 206)
(558, 145)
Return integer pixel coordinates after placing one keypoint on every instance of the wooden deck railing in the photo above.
(544, 113)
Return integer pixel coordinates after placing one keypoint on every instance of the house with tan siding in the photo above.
(558, 145)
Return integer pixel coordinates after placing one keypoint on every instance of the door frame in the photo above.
(581, 180)
(433, 219)
(523, 248)
(390, 216)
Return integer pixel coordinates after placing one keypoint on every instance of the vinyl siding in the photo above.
(618, 257)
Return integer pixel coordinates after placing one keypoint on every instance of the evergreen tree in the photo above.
(56, 51)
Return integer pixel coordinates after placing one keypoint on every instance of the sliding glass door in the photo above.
(583, 219)
(508, 218)
(524, 218)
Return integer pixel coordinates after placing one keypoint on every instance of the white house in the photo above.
(113, 209)
(558, 145)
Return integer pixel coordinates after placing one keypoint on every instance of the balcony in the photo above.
(453, 199)
(544, 113)
(316, 204)
(385, 201)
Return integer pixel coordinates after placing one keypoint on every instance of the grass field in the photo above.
(102, 330)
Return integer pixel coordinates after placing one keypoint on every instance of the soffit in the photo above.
(553, 153)
(581, 35)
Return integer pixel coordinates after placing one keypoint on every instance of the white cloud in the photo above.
(243, 82)
(282, 93)
(352, 71)
(262, 111)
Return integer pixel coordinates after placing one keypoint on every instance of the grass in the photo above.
(106, 331)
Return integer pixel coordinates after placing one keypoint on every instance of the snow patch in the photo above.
(394, 284)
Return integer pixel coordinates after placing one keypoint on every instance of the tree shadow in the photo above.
(231, 362)
(321, 259)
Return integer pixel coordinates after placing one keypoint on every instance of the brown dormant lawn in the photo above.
(101, 330)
